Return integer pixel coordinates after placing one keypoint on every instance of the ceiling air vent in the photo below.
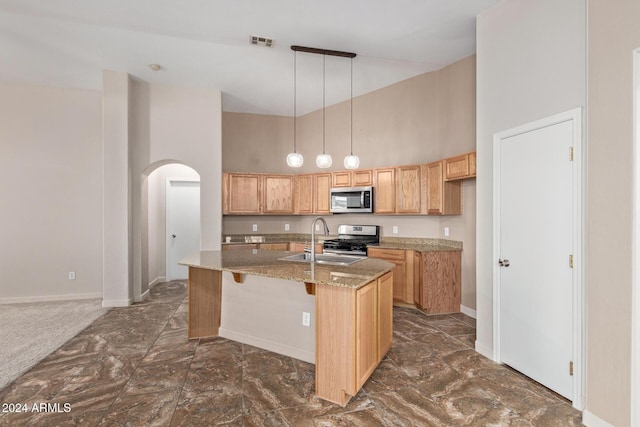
(261, 41)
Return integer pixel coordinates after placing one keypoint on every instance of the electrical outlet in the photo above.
(255, 251)
(254, 227)
(306, 318)
(395, 229)
(72, 275)
(446, 232)
(317, 227)
(286, 227)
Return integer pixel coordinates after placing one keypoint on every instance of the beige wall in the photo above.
(530, 64)
(50, 193)
(613, 35)
(173, 124)
(418, 120)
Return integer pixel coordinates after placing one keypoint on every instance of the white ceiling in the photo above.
(205, 43)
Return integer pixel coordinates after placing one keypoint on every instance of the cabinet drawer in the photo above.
(387, 254)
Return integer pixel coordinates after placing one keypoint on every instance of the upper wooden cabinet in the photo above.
(243, 193)
(277, 194)
(460, 167)
(304, 194)
(322, 193)
(431, 189)
(384, 192)
(353, 178)
(410, 180)
(443, 197)
(257, 193)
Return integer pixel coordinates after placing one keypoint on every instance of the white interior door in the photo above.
(536, 241)
(183, 224)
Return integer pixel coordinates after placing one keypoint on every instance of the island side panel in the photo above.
(205, 296)
(335, 343)
(385, 314)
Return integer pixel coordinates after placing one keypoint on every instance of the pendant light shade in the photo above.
(295, 159)
(324, 161)
(351, 161)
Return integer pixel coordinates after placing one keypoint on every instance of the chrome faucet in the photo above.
(313, 236)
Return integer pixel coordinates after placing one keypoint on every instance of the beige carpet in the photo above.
(30, 332)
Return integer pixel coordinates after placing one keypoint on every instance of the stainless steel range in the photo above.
(352, 240)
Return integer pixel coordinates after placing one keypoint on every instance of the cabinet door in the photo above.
(385, 314)
(409, 189)
(342, 179)
(384, 193)
(366, 332)
(304, 194)
(401, 291)
(278, 194)
(443, 197)
(244, 193)
(239, 247)
(322, 196)
(460, 167)
(274, 246)
(362, 178)
(441, 282)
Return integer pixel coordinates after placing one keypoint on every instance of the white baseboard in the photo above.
(591, 420)
(144, 296)
(157, 280)
(49, 298)
(468, 311)
(117, 303)
(296, 353)
(485, 351)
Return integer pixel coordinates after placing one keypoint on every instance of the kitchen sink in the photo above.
(324, 258)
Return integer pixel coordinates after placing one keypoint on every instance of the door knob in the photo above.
(503, 262)
(173, 235)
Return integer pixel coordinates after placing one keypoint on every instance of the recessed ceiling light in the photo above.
(261, 41)
(155, 67)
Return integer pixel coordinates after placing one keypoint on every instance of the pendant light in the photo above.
(351, 161)
(323, 160)
(295, 159)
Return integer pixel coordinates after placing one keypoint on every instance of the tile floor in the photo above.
(135, 367)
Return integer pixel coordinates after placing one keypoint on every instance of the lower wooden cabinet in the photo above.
(440, 277)
(354, 332)
(299, 247)
(403, 276)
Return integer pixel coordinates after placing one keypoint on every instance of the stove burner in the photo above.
(350, 243)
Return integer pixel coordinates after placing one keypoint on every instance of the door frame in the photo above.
(579, 199)
(166, 218)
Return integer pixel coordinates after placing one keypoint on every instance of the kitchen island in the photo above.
(353, 308)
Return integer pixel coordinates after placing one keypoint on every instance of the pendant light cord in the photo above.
(351, 107)
(295, 98)
(324, 91)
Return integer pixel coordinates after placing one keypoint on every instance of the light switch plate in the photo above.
(395, 229)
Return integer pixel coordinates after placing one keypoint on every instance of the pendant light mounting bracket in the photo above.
(323, 51)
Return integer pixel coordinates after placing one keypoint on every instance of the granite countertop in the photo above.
(266, 263)
(419, 244)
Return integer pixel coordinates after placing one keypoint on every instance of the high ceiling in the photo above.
(205, 43)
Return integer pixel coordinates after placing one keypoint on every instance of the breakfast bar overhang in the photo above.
(353, 308)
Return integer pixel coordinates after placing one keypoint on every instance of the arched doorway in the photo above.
(163, 182)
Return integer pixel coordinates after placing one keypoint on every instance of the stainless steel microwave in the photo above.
(352, 200)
